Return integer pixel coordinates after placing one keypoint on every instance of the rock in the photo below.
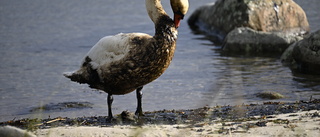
(270, 95)
(10, 131)
(62, 106)
(127, 116)
(223, 16)
(306, 54)
(203, 20)
(251, 42)
(267, 16)
(287, 58)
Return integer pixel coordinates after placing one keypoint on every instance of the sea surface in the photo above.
(41, 39)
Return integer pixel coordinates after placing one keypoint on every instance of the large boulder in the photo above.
(304, 56)
(251, 42)
(268, 18)
(287, 58)
(260, 15)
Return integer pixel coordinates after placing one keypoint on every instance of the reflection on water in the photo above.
(41, 39)
(242, 78)
(310, 83)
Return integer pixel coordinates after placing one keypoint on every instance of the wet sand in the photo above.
(300, 118)
(292, 124)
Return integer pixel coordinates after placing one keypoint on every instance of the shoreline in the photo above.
(291, 124)
(301, 118)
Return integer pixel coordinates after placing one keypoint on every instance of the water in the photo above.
(41, 39)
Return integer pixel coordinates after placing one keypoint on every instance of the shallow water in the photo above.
(41, 39)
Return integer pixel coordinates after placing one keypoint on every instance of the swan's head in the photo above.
(180, 8)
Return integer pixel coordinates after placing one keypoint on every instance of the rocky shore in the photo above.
(298, 118)
(261, 28)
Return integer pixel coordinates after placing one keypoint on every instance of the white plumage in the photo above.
(109, 49)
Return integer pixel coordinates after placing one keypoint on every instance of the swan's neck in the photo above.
(154, 9)
(164, 25)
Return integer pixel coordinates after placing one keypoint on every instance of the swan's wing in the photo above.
(111, 48)
(107, 50)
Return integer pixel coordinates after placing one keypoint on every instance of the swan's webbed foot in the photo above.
(110, 119)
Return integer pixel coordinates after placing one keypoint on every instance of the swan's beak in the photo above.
(177, 18)
(179, 8)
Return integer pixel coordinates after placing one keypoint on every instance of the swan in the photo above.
(122, 63)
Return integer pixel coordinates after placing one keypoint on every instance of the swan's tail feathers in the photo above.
(68, 74)
(75, 76)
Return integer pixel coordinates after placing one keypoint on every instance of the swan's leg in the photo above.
(139, 105)
(110, 100)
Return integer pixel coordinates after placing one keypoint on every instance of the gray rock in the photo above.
(287, 58)
(219, 18)
(270, 95)
(10, 131)
(266, 15)
(251, 42)
(306, 54)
